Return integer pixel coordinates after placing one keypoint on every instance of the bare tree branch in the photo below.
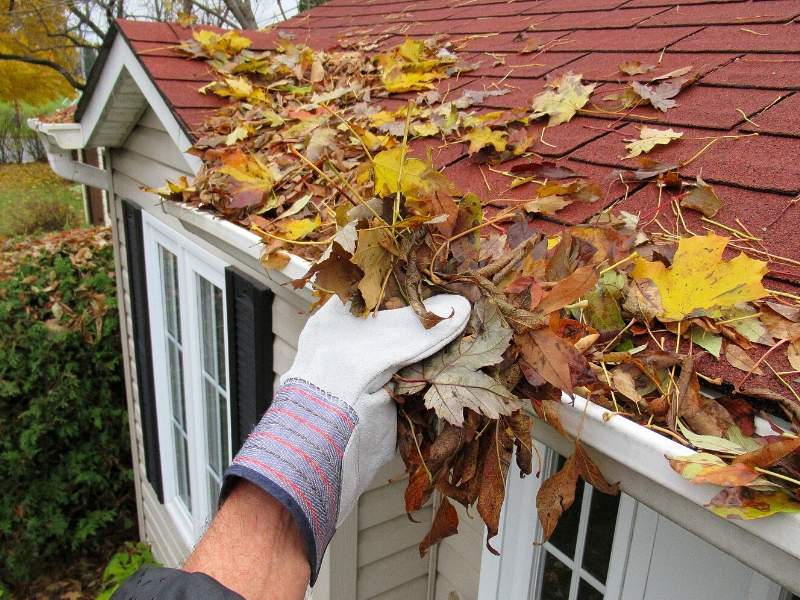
(45, 63)
(84, 18)
(222, 18)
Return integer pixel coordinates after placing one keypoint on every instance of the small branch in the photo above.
(45, 63)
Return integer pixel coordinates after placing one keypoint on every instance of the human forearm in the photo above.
(254, 548)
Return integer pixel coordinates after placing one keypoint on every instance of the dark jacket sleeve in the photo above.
(155, 583)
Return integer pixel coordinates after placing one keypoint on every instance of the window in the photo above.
(576, 557)
(186, 302)
(604, 548)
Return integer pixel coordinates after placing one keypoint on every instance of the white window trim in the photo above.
(516, 573)
(192, 261)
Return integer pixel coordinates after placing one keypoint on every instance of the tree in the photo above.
(42, 40)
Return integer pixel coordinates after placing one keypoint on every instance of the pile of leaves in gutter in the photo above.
(306, 157)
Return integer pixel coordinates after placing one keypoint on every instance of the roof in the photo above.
(746, 54)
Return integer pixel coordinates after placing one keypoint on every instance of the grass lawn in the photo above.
(33, 198)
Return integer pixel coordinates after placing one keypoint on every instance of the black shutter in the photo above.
(249, 306)
(134, 244)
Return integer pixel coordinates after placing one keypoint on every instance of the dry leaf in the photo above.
(566, 96)
(649, 138)
(739, 359)
(700, 281)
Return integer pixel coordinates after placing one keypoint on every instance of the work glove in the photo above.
(332, 423)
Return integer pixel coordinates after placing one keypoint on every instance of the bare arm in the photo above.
(253, 548)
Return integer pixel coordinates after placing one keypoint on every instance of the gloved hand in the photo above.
(332, 424)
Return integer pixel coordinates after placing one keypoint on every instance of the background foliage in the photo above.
(64, 445)
(33, 199)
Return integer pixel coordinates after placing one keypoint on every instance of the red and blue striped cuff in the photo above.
(295, 454)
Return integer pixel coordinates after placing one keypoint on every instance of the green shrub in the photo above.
(124, 564)
(64, 445)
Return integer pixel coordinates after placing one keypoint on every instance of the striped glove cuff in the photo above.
(295, 455)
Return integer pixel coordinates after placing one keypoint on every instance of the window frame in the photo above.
(192, 262)
(516, 572)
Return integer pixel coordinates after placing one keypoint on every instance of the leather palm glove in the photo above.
(332, 424)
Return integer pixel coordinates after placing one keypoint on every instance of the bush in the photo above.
(39, 215)
(124, 564)
(33, 199)
(64, 444)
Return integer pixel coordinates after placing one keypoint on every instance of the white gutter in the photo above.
(625, 451)
(59, 141)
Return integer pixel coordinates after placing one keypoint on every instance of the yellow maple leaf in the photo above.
(296, 229)
(387, 174)
(649, 137)
(566, 96)
(229, 44)
(480, 137)
(700, 281)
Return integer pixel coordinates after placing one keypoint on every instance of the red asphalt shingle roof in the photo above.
(747, 53)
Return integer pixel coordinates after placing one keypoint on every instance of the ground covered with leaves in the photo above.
(306, 156)
(65, 505)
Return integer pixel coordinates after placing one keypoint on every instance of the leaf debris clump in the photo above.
(308, 156)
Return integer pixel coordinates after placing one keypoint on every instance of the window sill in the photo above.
(625, 452)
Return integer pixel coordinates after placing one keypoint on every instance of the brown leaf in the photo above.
(445, 524)
(710, 418)
(556, 495)
(769, 454)
(419, 489)
(545, 170)
(702, 198)
(778, 325)
(643, 300)
(686, 398)
(521, 425)
(635, 67)
(549, 355)
(739, 359)
(568, 290)
(493, 482)
(375, 262)
(742, 413)
(790, 312)
(413, 281)
(336, 274)
(590, 473)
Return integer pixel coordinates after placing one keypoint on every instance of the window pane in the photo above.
(182, 464)
(566, 533)
(213, 494)
(215, 396)
(170, 289)
(212, 423)
(169, 275)
(555, 579)
(587, 592)
(219, 321)
(600, 534)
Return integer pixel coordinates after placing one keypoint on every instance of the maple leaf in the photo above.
(456, 381)
(565, 98)
(660, 96)
(253, 179)
(649, 137)
(485, 136)
(375, 261)
(387, 165)
(214, 45)
(700, 281)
